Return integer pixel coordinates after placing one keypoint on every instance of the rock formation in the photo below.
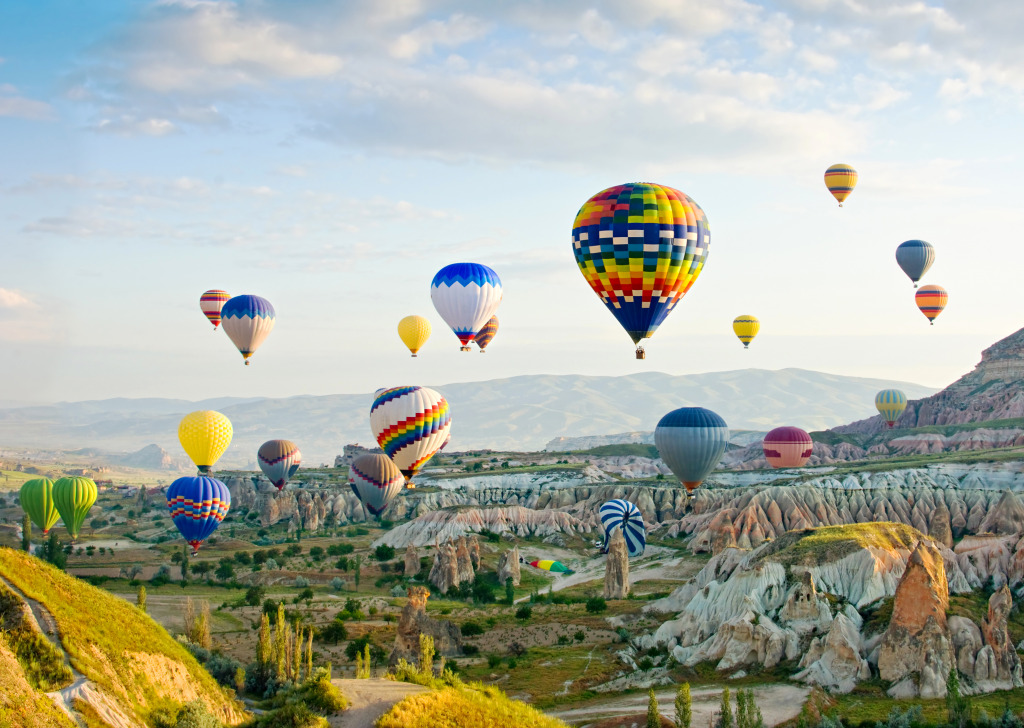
(1006, 518)
(414, 622)
(940, 527)
(473, 542)
(835, 661)
(616, 568)
(444, 573)
(508, 566)
(412, 561)
(997, 639)
(916, 651)
(464, 562)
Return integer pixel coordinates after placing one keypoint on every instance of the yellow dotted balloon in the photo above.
(205, 435)
(414, 332)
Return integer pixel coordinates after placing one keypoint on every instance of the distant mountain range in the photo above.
(520, 413)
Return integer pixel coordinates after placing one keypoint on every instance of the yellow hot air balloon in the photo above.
(414, 332)
(840, 180)
(205, 435)
(746, 328)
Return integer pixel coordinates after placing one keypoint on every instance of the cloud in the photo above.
(453, 32)
(130, 126)
(12, 104)
(13, 299)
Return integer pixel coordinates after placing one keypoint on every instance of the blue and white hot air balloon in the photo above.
(626, 517)
(247, 320)
(466, 295)
(691, 441)
(197, 505)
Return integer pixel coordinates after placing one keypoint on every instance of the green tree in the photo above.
(334, 632)
(224, 571)
(426, 655)
(184, 563)
(26, 534)
(196, 715)
(358, 564)
(510, 591)
(653, 717)
(684, 706)
(255, 594)
(309, 653)
(53, 553)
(264, 647)
(239, 680)
(140, 598)
(958, 706)
(296, 640)
(596, 605)
(367, 663)
(742, 716)
(725, 712)
(281, 642)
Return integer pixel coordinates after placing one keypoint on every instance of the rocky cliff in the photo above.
(414, 622)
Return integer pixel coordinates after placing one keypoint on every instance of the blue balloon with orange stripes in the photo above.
(197, 505)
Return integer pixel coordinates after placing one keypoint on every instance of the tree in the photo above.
(958, 707)
(254, 595)
(140, 598)
(296, 653)
(358, 564)
(384, 553)
(653, 717)
(366, 661)
(684, 707)
(53, 553)
(596, 605)
(264, 648)
(184, 563)
(510, 591)
(309, 653)
(196, 715)
(334, 632)
(725, 712)
(239, 680)
(26, 534)
(742, 716)
(225, 570)
(426, 655)
(280, 642)
(524, 613)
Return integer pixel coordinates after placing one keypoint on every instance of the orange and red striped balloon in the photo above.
(840, 180)
(211, 303)
(931, 300)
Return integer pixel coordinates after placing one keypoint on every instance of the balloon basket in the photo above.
(464, 348)
(640, 353)
(413, 356)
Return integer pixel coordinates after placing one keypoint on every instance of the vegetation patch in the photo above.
(42, 663)
(830, 543)
(476, 705)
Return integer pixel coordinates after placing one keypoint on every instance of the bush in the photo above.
(243, 558)
(254, 595)
(524, 613)
(384, 553)
(470, 650)
(270, 565)
(306, 595)
(646, 664)
(340, 549)
(493, 661)
(292, 715)
(471, 629)
(596, 605)
(316, 553)
(223, 668)
(321, 695)
(301, 581)
(334, 632)
(196, 715)
(337, 583)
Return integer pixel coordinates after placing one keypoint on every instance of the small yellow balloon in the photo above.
(205, 435)
(414, 332)
(746, 328)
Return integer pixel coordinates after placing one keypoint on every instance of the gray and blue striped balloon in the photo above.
(625, 516)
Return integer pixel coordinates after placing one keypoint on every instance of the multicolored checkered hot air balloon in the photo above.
(915, 257)
(248, 321)
(931, 300)
(486, 333)
(466, 295)
(787, 447)
(410, 424)
(840, 180)
(641, 247)
(204, 436)
(279, 459)
(376, 480)
(414, 332)
(691, 441)
(890, 403)
(746, 328)
(197, 505)
(624, 516)
(211, 303)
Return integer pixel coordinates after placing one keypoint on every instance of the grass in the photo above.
(621, 450)
(974, 606)
(41, 662)
(22, 706)
(831, 543)
(869, 703)
(479, 706)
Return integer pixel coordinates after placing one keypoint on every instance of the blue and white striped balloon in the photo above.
(466, 295)
(625, 516)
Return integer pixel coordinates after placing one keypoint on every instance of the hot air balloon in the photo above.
(486, 333)
(549, 565)
(376, 480)
(73, 497)
(746, 328)
(915, 257)
(466, 295)
(626, 517)
(36, 497)
(931, 300)
(279, 459)
(840, 180)
(204, 435)
(890, 403)
(197, 505)
(640, 246)
(248, 320)
(691, 441)
(787, 447)
(211, 303)
(410, 425)
(414, 332)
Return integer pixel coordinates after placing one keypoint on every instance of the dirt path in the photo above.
(370, 699)
(778, 703)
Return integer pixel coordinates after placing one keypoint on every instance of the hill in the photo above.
(520, 413)
(124, 666)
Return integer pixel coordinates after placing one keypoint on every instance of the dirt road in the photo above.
(370, 699)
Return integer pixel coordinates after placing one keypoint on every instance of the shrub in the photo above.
(384, 553)
(493, 661)
(323, 697)
(270, 565)
(340, 549)
(337, 583)
(563, 639)
(292, 715)
(223, 668)
(316, 553)
(579, 635)
(196, 715)
(254, 595)
(646, 664)
(301, 581)
(334, 632)
(596, 605)
(524, 613)
(470, 650)
(243, 558)
(471, 629)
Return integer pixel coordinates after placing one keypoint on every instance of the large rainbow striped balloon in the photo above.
(640, 246)
(410, 424)
(197, 505)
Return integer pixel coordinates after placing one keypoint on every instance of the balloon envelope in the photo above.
(890, 403)
(624, 516)
(211, 304)
(915, 257)
(73, 498)
(248, 320)
(466, 295)
(204, 435)
(640, 246)
(787, 447)
(548, 565)
(36, 498)
(691, 441)
(931, 300)
(197, 505)
(487, 333)
(414, 332)
(840, 180)
(279, 459)
(410, 424)
(746, 328)
(376, 480)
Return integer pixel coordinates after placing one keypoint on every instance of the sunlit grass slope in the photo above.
(486, 707)
(831, 543)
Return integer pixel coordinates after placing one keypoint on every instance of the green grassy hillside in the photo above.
(831, 543)
(481, 707)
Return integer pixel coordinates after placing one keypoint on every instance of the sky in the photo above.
(332, 156)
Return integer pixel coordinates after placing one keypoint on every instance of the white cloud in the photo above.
(453, 32)
(13, 299)
(130, 126)
(13, 104)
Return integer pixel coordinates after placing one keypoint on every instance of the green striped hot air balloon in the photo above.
(36, 498)
(73, 498)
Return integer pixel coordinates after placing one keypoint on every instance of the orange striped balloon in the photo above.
(840, 180)
(931, 300)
